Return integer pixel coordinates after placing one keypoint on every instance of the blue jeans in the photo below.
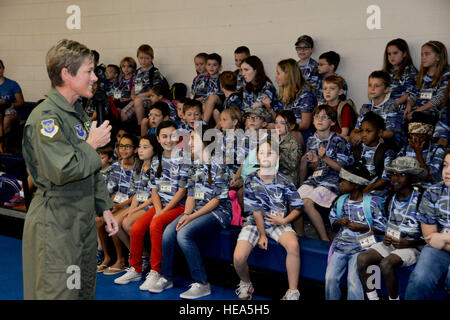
(432, 266)
(339, 262)
(187, 238)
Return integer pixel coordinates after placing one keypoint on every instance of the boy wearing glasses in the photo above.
(309, 67)
(327, 66)
(326, 153)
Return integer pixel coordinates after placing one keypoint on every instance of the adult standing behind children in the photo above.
(59, 148)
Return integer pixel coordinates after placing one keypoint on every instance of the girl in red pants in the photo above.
(168, 179)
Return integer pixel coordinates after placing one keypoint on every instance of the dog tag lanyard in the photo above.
(366, 239)
(120, 197)
(199, 194)
(447, 229)
(277, 196)
(141, 196)
(392, 229)
(166, 186)
(319, 170)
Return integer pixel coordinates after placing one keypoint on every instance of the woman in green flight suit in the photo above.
(59, 148)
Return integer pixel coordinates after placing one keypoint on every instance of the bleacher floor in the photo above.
(11, 285)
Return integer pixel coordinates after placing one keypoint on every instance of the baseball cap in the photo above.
(305, 38)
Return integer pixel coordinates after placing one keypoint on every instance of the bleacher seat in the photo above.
(313, 259)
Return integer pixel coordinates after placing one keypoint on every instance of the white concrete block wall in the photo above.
(179, 29)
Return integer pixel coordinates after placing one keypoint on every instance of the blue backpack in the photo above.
(367, 199)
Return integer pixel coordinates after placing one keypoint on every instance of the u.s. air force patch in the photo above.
(80, 131)
(49, 128)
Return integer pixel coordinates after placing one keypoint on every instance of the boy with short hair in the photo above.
(107, 157)
(333, 91)
(214, 96)
(199, 83)
(232, 97)
(112, 79)
(309, 67)
(192, 110)
(228, 85)
(383, 105)
(158, 113)
(240, 54)
(327, 66)
(146, 77)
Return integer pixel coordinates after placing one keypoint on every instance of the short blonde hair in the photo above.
(68, 54)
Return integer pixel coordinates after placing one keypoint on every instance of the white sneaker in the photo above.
(245, 291)
(129, 276)
(151, 279)
(196, 291)
(291, 295)
(161, 285)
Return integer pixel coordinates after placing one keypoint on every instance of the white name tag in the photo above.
(275, 212)
(367, 242)
(317, 173)
(165, 187)
(426, 94)
(117, 95)
(120, 197)
(393, 233)
(137, 88)
(199, 194)
(142, 196)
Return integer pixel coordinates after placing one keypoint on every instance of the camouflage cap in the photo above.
(259, 111)
(305, 38)
(406, 165)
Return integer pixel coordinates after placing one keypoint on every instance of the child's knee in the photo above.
(362, 260)
(292, 247)
(99, 221)
(239, 257)
(308, 203)
(386, 265)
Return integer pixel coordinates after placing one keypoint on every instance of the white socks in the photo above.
(373, 295)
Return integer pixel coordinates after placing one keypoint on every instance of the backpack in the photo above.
(378, 158)
(367, 199)
(177, 91)
(341, 106)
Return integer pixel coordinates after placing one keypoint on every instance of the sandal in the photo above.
(101, 268)
(112, 271)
